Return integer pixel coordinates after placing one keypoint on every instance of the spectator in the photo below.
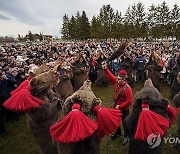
(140, 66)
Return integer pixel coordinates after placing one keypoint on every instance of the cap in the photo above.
(123, 74)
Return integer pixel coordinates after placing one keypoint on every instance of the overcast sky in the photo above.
(20, 16)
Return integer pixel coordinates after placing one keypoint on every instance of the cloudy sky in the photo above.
(20, 16)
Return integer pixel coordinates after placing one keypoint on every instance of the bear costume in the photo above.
(84, 123)
(41, 112)
(150, 118)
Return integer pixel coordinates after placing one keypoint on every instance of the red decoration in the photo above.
(171, 114)
(23, 101)
(150, 122)
(108, 120)
(74, 127)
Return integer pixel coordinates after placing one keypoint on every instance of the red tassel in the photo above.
(171, 114)
(21, 86)
(22, 101)
(178, 109)
(74, 127)
(150, 122)
(108, 120)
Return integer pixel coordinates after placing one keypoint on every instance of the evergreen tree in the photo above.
(72, 28)
(140, 19)
(96, 30)
(65, 28)
(128, 18)
(85, 26)
(175, 20)
(106, 17)
(163, 16)
(117, 27)
(140, 14)
(158, 22)
(78, 25)
(152, 20)
(129, 22)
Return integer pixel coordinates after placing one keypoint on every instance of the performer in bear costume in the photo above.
(64, 88)
(41, 112)
(80, 69)
(84, 123)
(154, 67)
(150, 118)
(102, 79)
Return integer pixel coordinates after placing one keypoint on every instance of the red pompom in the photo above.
(108, 120)
(22, 101)
(150, 122)
(21, 86)
(74, 127)
(171, 114)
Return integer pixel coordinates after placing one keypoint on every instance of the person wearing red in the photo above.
(123, 97)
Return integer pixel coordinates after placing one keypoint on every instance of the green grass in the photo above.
(20, 140)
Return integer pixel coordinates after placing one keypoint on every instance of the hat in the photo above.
(123, 74)
(13, 69)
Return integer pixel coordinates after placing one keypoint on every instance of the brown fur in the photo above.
(85, 94)
(79, 76)
(154, 75)
(85, 97)
(101, 78)
(40, 120)
(65, 88)
(42, 83)
(43, 68)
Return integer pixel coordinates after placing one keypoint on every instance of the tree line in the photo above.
(159, 21)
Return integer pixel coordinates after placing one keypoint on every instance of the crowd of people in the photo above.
(141, 60)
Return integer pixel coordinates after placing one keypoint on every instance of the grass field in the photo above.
(20, 140)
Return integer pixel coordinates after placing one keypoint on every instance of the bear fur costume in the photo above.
(102, 79)
(90, 145)
(154, 75)
(157, 104)
(86, 95)
(64, 88)
(40, 119)
(80, 72)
